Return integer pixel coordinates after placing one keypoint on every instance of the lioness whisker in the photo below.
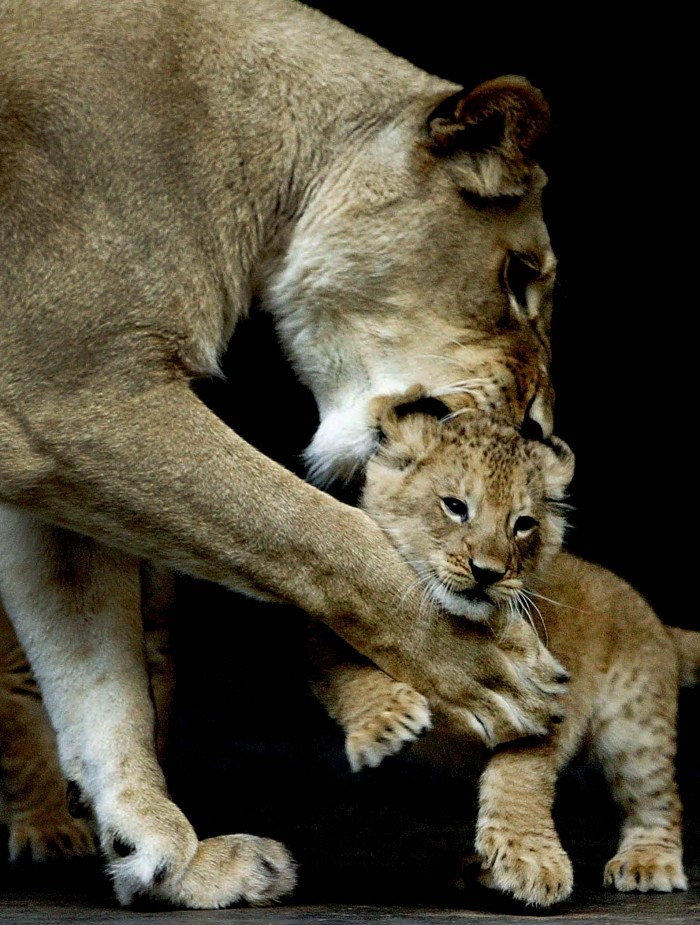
(551, 600)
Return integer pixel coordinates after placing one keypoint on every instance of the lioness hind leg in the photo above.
(157, 607)
(635, 739)
(34, 790)
(76, 607)
(516, 840)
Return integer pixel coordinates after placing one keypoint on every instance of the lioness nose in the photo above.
(537, 424)
(485, 576)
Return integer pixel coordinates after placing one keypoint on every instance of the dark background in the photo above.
(251, 751)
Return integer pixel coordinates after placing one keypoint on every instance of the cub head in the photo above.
(423, 256)
(472, 505)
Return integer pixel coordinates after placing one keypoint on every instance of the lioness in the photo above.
(162, 163)
(477, 510)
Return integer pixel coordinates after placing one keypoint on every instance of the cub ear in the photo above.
(558, 467)
(425, 404)
(490, 135)
(408, 428)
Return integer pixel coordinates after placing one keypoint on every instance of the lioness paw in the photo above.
(156, 856)
(54, 836)
(646, 868)
(230, 869)
(220, 872)
(385, 727)
(535, 870)
(530, 702)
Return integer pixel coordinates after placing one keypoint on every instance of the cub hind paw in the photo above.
(386, 728)
(646, 868)
(54, 836)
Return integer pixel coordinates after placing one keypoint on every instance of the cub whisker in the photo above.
(416, 583)
(525, 593)
(525, 604)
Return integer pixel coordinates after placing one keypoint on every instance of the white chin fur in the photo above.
(463, 607)
(344, 441)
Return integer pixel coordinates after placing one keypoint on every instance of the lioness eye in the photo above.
(520, 271)
(525, 524)
(456, 507)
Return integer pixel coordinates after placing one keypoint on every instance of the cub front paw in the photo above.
(386, 726)
(646, 868)
(535, 870)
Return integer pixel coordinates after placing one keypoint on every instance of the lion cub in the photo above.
(478, 511)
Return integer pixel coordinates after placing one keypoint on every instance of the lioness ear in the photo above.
(490, 135)
(558, 467)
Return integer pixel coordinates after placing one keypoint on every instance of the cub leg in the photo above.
(516, 840)
(33, 788)
(635, 739)
(378, 715)
(76, 607)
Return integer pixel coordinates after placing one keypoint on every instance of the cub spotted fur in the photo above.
(477, 511)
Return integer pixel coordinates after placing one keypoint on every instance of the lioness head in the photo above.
(472, 505)
(422, 256)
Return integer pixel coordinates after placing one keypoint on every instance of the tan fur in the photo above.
(161, 163)
(33, 792)
(624, 664)
(34, 795)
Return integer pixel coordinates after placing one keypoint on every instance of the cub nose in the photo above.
(485, 576)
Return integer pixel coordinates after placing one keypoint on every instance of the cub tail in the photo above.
(687, 643)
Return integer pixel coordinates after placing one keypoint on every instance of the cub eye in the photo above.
(455, 507)
(525, 525)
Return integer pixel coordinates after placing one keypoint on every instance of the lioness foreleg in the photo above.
(152, 470)
(76, 606)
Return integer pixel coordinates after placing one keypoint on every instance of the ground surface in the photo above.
(381, 846)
